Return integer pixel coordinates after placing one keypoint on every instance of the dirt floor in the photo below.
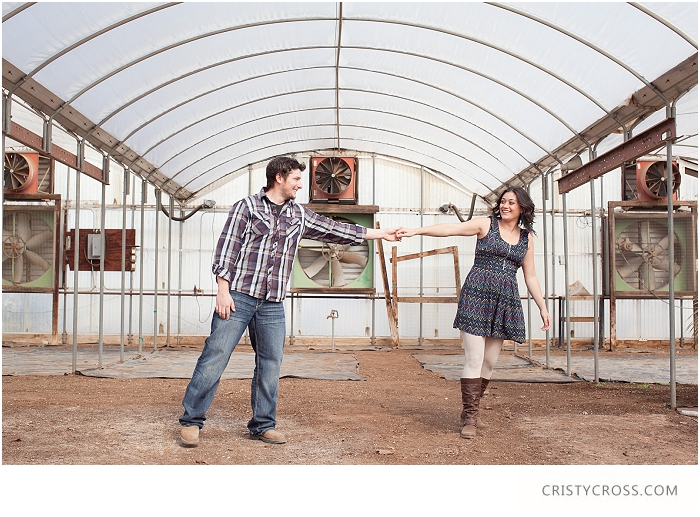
(400, 415)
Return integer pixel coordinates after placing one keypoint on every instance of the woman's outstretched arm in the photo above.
(478, 227)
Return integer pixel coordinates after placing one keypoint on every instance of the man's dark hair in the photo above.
(281, 165)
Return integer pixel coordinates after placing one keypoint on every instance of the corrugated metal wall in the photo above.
(406, 195)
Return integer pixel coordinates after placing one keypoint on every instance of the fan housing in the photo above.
(333, 179)
(21, 173)
(651, 180)
(640, 254)
(28, 248)
(327, 267)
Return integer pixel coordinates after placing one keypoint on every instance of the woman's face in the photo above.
(509, 207)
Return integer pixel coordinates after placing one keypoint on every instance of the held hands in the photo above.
(402, 232)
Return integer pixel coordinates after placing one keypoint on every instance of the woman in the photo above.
(489, 308)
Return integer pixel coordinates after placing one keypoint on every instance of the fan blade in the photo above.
(19, 269)
(354, 258)
(308, 243)
(37, 260)
(338, 276)
(663, 243)
(40, 238)
(22, 228)
(663, 265)
(646, 277)
(316, 266)
(629, 270)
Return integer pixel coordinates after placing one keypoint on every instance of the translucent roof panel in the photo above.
(486, 94)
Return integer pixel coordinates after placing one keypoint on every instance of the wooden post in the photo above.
(390, 312)
(458, 278)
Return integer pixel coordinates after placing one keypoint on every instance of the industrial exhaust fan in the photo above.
(28, 248)
(641, 253)
(327, 267)
(333, 179)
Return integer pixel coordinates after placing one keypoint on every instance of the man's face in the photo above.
(290, 184)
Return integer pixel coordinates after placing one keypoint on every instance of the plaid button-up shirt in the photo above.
(256, 249)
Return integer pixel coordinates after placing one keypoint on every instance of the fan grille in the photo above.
(641, 255)
(27, 247)
(17, 173)
(333, 176)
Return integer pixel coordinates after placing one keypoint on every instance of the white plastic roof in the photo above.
(188, 94)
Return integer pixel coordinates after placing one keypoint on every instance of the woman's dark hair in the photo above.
(281, 165)
(527, 207)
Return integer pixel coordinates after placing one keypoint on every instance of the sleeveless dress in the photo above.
(489, 303)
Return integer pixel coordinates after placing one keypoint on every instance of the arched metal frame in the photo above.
(476, 150)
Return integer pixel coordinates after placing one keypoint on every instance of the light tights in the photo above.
(481, 355)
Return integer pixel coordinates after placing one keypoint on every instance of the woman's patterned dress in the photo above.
(489, 304)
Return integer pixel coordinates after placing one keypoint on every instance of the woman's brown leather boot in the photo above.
(471, 392)
(480, 424)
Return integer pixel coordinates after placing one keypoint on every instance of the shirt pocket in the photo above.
(259, 223)
(292, 227)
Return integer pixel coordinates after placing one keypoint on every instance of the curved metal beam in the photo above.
(17, 10)
(348, 125)
(665, 22)
(584, 42)
(286, 129)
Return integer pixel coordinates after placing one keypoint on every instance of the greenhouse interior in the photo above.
(131, 129)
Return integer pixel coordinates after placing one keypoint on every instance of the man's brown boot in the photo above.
(471, 389)
(189, 436)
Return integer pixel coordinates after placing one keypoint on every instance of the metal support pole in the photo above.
(671, 260)
(179, 279)
(171, 207)
(594, 237)
(64, 337)
(123, 284)
(546, 268)
(144, 195)
(103, 247)
(373, 337)
(566, 286)
(76, 255)
(553, 260)
(422, 248)
(155, 276)
(132, 192)
(529, 309)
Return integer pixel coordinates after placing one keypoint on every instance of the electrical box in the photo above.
(94, 246)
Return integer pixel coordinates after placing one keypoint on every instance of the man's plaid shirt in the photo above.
(256, 249)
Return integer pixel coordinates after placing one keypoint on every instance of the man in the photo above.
(252, 264)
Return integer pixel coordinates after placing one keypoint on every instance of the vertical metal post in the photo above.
(171, 207)
(671, 113)
(64, 279)
(373, 337)
(566, 286)
(130, 338)
(553, 262)
(422, 247)
(103, 247)
(594, 252)
(144, 195)
(155, 275)
(179, 280)
(546, 268)
(76, 254)
(123, 286)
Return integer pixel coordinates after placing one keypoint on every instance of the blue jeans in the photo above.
(266, 327)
